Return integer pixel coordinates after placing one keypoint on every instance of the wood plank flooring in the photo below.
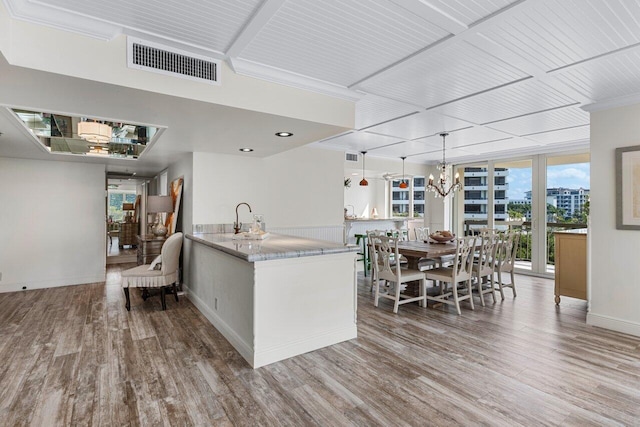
(74, 356)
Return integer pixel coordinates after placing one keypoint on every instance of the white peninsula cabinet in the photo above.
(274, 298)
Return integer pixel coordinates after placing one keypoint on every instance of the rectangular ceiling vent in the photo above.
(144, 55)
(351, 157)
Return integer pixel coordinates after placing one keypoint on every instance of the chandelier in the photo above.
(441, 187)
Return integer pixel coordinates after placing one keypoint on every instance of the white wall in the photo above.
(220, 182)
(52, 227)
(302, 187)
(614, 266)
(364, 199)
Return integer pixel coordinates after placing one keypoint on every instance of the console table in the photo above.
(149, 247)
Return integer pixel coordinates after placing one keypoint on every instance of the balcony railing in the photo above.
(523, 256)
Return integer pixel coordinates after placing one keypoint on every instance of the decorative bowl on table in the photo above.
(442, 236)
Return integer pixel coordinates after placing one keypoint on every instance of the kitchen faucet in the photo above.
(238, 225)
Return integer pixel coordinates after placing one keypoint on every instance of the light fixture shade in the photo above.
(94, 131)
(363, 182)
(157, 204)
(403, 184)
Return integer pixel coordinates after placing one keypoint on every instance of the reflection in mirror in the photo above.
(65, 134)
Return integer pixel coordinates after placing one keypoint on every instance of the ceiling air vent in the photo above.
(351, 157)
(143, 55)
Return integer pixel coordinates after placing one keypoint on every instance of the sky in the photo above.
(574, 175)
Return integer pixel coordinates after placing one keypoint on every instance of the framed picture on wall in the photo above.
(628, 188)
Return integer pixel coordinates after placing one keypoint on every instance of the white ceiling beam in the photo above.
(254, 26)
(432, 14)
(471, 32)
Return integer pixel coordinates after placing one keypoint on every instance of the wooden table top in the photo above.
(418, 249)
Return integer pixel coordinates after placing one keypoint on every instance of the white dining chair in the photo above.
(393, 275)
(422, 235)
(484, 264)
(459, 273)
(505, 260)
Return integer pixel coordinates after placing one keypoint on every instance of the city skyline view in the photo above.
(574, 176)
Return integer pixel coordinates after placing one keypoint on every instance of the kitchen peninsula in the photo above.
(274, 298)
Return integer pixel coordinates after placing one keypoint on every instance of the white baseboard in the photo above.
(238, 343)
(55, 283)
(614, 324)
(276, 354)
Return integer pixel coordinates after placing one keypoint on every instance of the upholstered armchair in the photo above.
(162, 273)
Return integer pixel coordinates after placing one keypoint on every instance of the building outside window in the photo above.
(410, 199)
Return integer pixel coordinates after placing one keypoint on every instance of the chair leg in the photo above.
(126, 295)
(513, 284)
(454, 290)
(377, 292)
(397, 302)
(162, 298)
(175, 291)
(493, 291)
(470, 289)
(479, 291)
(500, 285)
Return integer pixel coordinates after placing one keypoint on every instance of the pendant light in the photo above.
(403, 183)
(364, 182)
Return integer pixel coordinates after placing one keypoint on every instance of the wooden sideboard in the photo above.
(571, 264)
(149, 247)
(127, 234)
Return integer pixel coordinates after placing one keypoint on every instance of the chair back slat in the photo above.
(386, 250)
(463, 262)
(422, 233)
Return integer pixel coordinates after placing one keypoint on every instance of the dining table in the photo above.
(413, 250)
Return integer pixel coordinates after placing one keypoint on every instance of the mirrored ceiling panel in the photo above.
(86, 136)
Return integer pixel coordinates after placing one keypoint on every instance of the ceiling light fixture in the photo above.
(246, 150)
(440, 188)
(94, 131)
(364, 182)
(403, 183)
(284, 134)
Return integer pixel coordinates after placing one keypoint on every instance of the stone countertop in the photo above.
(275, 246)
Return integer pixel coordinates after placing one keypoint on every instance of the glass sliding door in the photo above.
(513, 184)
(567, 197)
(538, 195)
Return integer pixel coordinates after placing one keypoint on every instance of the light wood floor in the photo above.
(75, 356)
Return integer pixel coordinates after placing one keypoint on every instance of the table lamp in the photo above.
(158, 205)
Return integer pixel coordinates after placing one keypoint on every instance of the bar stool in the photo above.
(361, 240)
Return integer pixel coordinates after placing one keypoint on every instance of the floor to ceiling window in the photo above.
(538, 195)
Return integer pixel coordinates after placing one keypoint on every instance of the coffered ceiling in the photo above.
(503, 77)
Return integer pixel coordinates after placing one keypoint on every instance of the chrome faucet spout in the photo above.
(238, 225)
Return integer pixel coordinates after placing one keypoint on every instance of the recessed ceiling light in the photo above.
(355, 173)
(246, 150)
(284, 134)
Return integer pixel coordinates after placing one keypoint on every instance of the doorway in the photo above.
(122, 220)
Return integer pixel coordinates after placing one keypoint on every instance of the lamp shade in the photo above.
(94, 131)
(157, 204)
